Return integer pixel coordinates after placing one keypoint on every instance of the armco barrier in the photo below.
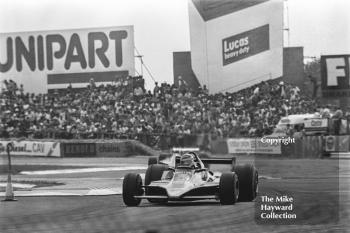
(32, 148)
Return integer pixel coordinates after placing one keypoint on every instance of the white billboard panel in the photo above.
(241, 48)
(42, 59)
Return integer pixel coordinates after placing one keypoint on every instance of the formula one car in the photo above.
(185, 178)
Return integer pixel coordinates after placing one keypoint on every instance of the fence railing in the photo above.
(160, 140)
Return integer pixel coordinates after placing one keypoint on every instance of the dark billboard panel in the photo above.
(335, 76)
(245, 44)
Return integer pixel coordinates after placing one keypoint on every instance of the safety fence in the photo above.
(306, 147)
(165, 141)
(158, 140)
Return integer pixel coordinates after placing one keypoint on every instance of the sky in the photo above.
(162, 26)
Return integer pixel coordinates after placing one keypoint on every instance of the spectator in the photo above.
(116, 109)
(156, 90)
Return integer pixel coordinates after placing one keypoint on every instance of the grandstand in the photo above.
(125, 111)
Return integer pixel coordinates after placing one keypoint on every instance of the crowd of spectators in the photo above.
(123, 109)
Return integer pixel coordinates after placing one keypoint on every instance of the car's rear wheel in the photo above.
(152, 160)
(153, 173)
(228, 188)
(132, 186)
(248, 182)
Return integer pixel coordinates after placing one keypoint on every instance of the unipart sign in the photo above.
(33, 54)
(27, 55)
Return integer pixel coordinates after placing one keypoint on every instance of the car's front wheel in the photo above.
(228, 189)
(132, 186)
(248, 182)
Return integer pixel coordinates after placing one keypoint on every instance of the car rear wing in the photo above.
(231, 161)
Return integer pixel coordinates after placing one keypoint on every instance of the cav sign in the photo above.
(335, 74)
(245, 44)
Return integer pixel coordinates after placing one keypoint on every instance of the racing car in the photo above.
(184, 177)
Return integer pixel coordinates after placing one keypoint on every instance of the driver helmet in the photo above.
(187, 160)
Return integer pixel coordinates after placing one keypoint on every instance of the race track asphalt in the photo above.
(320, 207)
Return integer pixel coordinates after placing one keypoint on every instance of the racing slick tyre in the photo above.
(152, 160)
(248, 182)
(154, 172)
(132, 186)
(228, 189)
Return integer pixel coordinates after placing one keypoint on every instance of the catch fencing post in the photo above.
(9, 195)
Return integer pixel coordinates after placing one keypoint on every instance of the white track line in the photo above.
(82, 170)
(269, 178)
(82, 192)
(18, 185)
(42, 194)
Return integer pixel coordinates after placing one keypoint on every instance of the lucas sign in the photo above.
(335, 75)
(30, 57)
(245, 44)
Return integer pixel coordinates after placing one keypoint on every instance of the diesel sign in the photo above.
(245, 44)
(79, 149)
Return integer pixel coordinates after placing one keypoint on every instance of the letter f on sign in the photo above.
(335, 69)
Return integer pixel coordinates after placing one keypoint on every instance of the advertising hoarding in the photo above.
(313, 126)
(245, 44)
(52, 59)
(335, 76)
(32, 148)
(251, 146)
(78, 149)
